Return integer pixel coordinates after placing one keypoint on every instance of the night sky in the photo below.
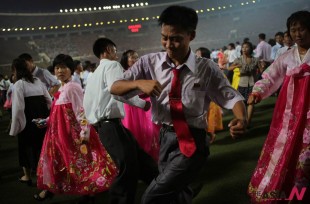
(15, 6)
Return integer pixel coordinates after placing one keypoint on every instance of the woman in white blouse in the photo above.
(30, 100)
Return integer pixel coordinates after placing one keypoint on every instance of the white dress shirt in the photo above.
(76, 78)
(202, 81)
(46, 77)
(98, 102)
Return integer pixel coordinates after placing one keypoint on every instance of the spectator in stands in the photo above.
(263, 49)
(279, 43)
(78, 68)
(180, 107)
(284, 163)
(44, 75)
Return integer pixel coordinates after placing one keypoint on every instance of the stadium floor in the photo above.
(225, 175)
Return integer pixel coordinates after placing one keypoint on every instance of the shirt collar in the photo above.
(190, 63)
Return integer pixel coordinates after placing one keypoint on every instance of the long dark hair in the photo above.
(20, 67)
(124, 59)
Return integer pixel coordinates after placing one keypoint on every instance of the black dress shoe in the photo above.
(28, 182)
(48, 195)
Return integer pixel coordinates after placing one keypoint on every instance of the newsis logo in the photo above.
(281, 195)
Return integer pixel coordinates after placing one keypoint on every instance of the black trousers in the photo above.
(133, 163)
(176, 171)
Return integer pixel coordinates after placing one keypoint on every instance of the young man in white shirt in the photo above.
(104, 112)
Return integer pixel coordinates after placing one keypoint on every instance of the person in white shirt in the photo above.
(78, 68)
(288, 44)
(238, 49)
(263, 49)
(4, 86)
(104, 112)
(279, 43)
(30, 100)
(44, 75)
(232, 55)
(86, 71)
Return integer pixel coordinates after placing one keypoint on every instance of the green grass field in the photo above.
(225, 175)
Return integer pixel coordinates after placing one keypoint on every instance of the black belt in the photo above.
(108, 120)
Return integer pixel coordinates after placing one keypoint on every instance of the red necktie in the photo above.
(186, 141)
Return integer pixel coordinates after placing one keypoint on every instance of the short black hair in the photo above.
(25, 56)
(232, 45)
(302, 17)
(280, 34)
(101, 45)
(262, 36)
(180, 16)
(66, 60)
(76, 64)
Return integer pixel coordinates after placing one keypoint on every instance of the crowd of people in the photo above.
(83, 129)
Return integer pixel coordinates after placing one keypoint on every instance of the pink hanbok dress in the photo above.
(140, 124)
(284, 163)
(67, 165)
